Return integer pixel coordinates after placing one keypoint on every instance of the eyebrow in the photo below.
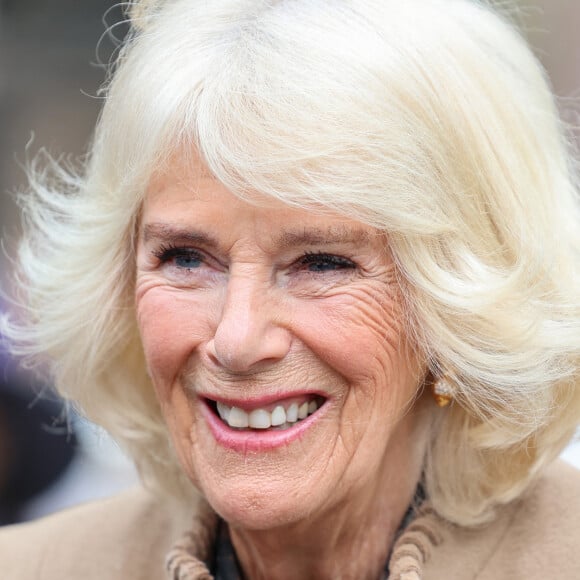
(309, 236)
(306, 236)
(172, 233)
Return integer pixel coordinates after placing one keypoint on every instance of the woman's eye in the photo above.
(187, 260)
(184, 258)
(325, 263)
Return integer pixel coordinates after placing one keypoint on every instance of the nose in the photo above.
(250, 333)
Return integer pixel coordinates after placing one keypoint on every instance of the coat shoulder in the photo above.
(126, 536)
(543, 538)
(533, 538)
(555, 496)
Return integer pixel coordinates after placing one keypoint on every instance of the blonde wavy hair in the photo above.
(428, 119)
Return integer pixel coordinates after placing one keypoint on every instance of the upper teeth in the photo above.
(262, 419)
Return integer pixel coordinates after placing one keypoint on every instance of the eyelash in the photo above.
(311, 258)
(165, 253)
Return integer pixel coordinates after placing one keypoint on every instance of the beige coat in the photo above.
(130, 537)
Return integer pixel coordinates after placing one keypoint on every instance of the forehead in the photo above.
(186, 201)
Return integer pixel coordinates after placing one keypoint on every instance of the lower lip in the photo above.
(256, 439)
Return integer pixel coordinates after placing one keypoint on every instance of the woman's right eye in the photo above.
(188, 260)
(183, 258)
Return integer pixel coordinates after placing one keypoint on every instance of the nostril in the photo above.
(224, 354)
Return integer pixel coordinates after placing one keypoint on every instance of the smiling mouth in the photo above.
(279, 416)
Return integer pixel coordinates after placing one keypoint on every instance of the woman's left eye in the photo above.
(325, 263)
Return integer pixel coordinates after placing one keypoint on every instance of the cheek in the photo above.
(171, 327)
(361, 335)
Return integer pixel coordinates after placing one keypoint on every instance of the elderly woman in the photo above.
(304, 228)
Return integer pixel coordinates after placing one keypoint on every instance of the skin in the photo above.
(229, 307)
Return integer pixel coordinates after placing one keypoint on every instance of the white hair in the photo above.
(428, 119)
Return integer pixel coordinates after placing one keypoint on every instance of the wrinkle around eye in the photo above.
(320, 287)
(147, 282)
(377, 278)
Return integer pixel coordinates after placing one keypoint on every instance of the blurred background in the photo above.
(51, 55)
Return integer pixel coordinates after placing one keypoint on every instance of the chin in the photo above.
(251, 508)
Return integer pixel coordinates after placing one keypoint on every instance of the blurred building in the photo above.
(51, 55)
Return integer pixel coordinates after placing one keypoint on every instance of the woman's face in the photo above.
(276, 343)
